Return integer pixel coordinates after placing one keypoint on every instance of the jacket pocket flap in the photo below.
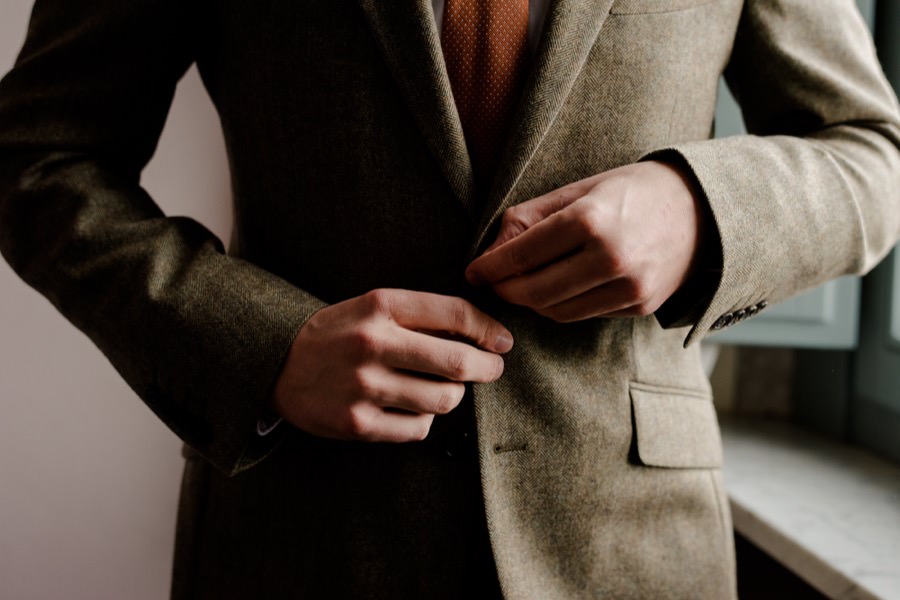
(674, 428)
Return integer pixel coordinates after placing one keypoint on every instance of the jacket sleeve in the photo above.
(200, 336)
(813, 192)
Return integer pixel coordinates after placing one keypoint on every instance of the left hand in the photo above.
(617, 244)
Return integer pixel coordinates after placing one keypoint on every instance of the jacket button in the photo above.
(756, 308)
(723, 321)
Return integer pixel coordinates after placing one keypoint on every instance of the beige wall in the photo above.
(88, 476)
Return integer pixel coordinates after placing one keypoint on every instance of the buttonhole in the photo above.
(501, 449)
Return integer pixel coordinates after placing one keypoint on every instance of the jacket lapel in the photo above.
(569, 33)
(408, 37)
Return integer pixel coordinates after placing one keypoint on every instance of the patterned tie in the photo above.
(485, 45)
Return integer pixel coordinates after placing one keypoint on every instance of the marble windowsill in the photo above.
(827, 511)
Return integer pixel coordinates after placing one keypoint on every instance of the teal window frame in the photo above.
(847, 332)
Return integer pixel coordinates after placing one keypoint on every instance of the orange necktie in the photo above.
(485, 45)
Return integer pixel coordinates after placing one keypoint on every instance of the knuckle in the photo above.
(570, 193)
(379, 301)
(422, 430)
(499, 366)
(648, 307)
(589, 220)
(631, 288)
(458, 316)
(509, 219)
(470, 323)
(364, 386)
(514, 218)
(513, 215)
(456, 365)
(358, 423)
(366, 342)
(636, 290)
(643, 309)
(486, 334)
(618, 263)
(450, 397)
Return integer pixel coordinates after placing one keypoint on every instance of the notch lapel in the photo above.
(569, 33)
(408, 37)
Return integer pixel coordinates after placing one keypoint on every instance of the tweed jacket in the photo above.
(594, 461)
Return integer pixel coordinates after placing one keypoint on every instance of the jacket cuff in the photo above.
(688, 303)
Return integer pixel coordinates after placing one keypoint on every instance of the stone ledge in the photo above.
(827, 511)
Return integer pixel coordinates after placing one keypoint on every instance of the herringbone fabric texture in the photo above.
(485, 45)
(596, 449)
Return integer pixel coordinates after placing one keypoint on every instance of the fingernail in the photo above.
(473, 277)
(503, 343)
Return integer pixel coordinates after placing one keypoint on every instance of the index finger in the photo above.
(436, 313)
(541, 244)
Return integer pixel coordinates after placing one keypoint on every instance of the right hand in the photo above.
(380, 366)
